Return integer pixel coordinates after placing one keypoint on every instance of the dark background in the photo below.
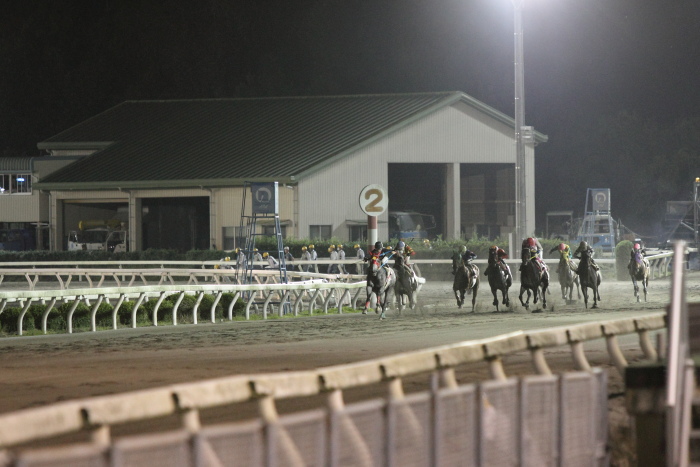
(613, 83)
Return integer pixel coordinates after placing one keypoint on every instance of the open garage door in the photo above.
(176, 223)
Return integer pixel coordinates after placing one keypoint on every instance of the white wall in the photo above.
(457, 134)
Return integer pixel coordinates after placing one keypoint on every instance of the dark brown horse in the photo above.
(466, 281)
(639, 271)
(589, 278)
(532, 278)
(499, 277)
(380, 282)
(406, 285)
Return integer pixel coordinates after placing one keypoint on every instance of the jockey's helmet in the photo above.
(636, 246)
(400, 246)
(378, 245)
(493, 247)
(311, 247)
(463, 249)
(286, 248)
(340, 246)
(303, 248)
(266, 254)
(562, 247)
(356, 246)
(238, 250)
(330, 248)
(255, 249)
(583, 245)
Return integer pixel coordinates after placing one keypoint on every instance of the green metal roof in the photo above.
(216, 142)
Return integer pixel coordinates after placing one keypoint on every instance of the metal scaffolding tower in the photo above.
(598, 227)
(264, 203)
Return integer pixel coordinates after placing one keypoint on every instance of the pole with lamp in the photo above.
(520, 165)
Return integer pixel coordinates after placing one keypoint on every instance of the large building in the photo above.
(174, 171)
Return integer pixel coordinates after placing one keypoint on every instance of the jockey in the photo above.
(563, 247)
(405, 252)
(531, 244)
(638, 249)
(501, 256)
(583, 246)
(465, 257)
(377, 252)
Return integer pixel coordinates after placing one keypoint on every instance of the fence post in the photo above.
(645, 395)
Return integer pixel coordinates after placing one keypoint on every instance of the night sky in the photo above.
(628, 67)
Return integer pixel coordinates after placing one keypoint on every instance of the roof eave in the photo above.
(78, 145)
(156, 184)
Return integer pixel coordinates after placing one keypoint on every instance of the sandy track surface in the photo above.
(37, 370)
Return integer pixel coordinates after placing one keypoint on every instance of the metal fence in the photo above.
(537, 420)
(533, 421)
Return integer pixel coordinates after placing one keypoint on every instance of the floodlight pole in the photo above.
(520, 166)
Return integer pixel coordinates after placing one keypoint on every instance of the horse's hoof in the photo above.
(364, 312)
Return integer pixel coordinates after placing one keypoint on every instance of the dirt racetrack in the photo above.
(39, 370)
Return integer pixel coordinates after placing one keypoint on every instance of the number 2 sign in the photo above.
(373, 200)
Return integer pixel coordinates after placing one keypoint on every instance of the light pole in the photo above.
(520, 167)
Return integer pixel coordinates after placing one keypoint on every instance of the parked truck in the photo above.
(99, 235)
(409, 224)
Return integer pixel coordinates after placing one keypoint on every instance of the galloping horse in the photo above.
(380, 282)
(567, 275)
(465, 281)
(406, 285)
(531, 279)
(639, 271)
(589, 277)
(497, 277)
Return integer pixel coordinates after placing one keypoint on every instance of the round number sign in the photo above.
(373, 200)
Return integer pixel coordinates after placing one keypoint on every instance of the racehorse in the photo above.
(497, 278)
(465, 281)
(639, 271)
(567, 276)
(589, 278)
(532, 279)
(380, 282)
(406, 285)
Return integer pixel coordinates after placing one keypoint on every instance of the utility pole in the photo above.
(520, 165)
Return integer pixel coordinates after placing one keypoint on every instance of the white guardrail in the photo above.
(97, 414)
(296, 295)
(129, 272)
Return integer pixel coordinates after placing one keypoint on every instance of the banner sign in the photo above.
(601, 199)
(265, 198)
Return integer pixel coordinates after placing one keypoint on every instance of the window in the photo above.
(229, 238)
(320, 232)
(269, 230)
(358, 233)
(15, 183)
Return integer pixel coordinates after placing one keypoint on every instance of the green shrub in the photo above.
(10, 316)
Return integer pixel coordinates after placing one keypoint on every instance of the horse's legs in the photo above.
(459, 303)
(527, 303)
(545, 284)
(475, 290)
(646, 285)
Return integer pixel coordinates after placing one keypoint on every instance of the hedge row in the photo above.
(57, 319)
(435, 249)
